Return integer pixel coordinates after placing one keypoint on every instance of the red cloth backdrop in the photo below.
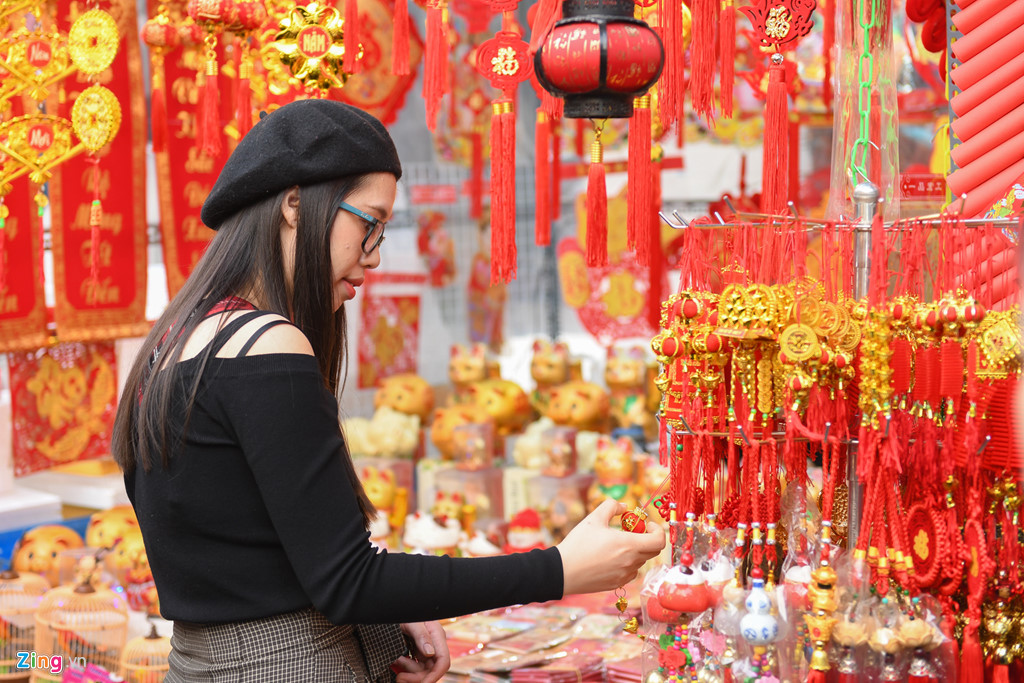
(63, 402)
(389, 335)
(117, 306)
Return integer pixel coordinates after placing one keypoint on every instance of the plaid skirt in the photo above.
(298, 647)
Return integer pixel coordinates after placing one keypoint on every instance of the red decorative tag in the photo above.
(505, 61)
(778, 23)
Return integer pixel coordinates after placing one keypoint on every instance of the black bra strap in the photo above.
(231, 328)
(256, 335)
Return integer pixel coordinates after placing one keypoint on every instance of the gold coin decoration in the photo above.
(93, 41)
(799, 342)
(96, 117)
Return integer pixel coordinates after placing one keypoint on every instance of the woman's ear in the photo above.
(290, 207)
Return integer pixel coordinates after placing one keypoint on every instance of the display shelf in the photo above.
(25, 507)
(87, 491)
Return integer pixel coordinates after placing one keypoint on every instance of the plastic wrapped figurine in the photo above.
(634, 398)
(107, 526)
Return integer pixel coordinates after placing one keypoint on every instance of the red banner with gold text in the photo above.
(22, 304)
(184, 174)
(389, 336)
(114, 303)
(63, 402)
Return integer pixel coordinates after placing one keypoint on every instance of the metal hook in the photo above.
(988, 437)
(828, 426)
(728, 202)
(669, 223)
(743, 433)
(888, 422)
(792, 210)
(680, 218)
(719, 217)
(689, 431)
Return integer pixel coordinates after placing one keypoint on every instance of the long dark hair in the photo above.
(244, 256)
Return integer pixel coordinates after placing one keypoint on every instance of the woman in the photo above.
(254, 520)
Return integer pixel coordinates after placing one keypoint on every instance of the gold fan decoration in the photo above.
(311, 43)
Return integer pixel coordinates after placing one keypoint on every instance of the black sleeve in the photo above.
(286, 422)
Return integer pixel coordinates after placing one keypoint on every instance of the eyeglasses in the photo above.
(374, 230)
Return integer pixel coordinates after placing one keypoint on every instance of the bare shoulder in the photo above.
(280, 337)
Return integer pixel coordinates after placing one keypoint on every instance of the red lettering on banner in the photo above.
(9, 303)
(99, 293)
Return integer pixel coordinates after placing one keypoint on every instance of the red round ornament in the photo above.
(684, 590)
(633, 520)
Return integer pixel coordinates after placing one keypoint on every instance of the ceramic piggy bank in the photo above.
(443, 432)
(107, 526)
(391, 500)
(634, 397)
(40, 548)
(579, 404)
(407, 393)
(505, 402)
(550, 367)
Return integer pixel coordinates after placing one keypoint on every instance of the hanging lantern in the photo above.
(598, 58)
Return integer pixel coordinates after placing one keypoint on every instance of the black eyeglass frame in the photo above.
(372, 220)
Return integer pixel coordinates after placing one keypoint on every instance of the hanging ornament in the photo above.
(777, 25)
(161, 37)
(504, 61)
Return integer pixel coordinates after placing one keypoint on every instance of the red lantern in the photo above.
(598, 58)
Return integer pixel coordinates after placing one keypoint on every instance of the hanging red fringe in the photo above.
(350, 60)
(542, 180)
(828, 42)
(580, 139)
(209, 125)
(243, 93)
(3, 245)
(435, 68)
(1000, 673)
(656, 264)
(476, 174)
(95, 219)
(548, 12)
(775, 172)
(638, 179)
(671, 83)
(158, 103)
(727, 54)
(553, 106)
(702, 58)
(597, 207)
(556, 171)
(503, 193)
(400, 39)
(815, 676)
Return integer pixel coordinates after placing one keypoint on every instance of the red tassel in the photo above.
(972, 660)
(1000, 673)
(158, 103)
(655, 260)
(815, 676)
(542, 148)
(638, 182)
(548, 12)
(400, 40)
(3, 256)
(671, 82)
(727, 49)
(476, 174)
(775, 178)
(243, 93)
(556, 172)
(847, 678)
(435, 66)
(828, 42)
(209, 126)
(553, 106)
(597, 208)
(702, 56)
(503, 193)
(349, 61)
(581, 131)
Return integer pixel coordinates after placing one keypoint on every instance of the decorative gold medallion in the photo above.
(799, 343)
(96, 117)
(93, 41)
(310, 42)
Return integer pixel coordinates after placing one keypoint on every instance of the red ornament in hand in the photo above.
(634, 521)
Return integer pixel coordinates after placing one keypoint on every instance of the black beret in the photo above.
(303, 143)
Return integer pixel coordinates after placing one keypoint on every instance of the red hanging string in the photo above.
(476, 172)
(349, 61)
(503, 189)
(243, 93)
(209, 125)
(435, 62)
(158, 101)
(702, 57)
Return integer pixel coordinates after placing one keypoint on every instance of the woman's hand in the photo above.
(430, 659)
(596, 557)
